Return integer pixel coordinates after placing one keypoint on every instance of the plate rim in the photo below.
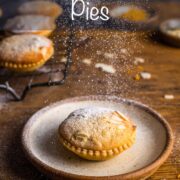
(134, 174)
(173, 40)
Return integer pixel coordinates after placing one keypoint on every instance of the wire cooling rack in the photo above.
(54, 73)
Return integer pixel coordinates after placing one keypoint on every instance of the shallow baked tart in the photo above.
(30, 24)
(47, 8)
(97, 133)
(25, 52)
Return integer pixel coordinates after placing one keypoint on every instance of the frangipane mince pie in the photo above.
(47, 8)
(30, 24)
(25, 52)
(97, 133)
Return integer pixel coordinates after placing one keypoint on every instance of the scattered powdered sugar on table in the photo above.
(83, 38)
(145, 75)
(98, 52)
(87, 61)
(124, 51)
(63, 60)
(138, 60)
(106, 68)
(110, 55)
(169, 96)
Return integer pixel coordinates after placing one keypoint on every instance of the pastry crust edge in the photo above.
(98, 155)
(45, 33)
(27, 67)
(22, 67)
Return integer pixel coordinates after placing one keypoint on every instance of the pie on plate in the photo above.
(97, 133)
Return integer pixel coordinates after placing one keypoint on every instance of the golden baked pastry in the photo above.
(135, 14)
(97, 133)
(30, 24)
(25, 52)
(46, 8)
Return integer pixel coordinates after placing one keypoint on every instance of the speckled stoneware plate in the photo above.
(153, 145)
(117, 9)
(167, 25)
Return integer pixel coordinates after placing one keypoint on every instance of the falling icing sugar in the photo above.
(99, 53)
(113, 53)
(109, 55)
(124, 51)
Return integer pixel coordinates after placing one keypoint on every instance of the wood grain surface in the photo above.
(161, 60)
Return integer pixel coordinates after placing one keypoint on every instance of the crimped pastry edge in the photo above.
(45, 33)
(97, 155)
(22, 67)
(26, 67)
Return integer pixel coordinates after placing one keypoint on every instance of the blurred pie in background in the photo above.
(24, 53)
(97, 133)
(130, 13)
(46, 8)
(30, 24)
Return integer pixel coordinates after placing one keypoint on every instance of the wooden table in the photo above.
(162, 61)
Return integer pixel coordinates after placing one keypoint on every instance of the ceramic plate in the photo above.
(152, 147)
(167, 25)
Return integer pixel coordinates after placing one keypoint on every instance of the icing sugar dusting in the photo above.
(18, 45)
(106, 68)
(112, 68)
(91, 112)
(25, 42)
